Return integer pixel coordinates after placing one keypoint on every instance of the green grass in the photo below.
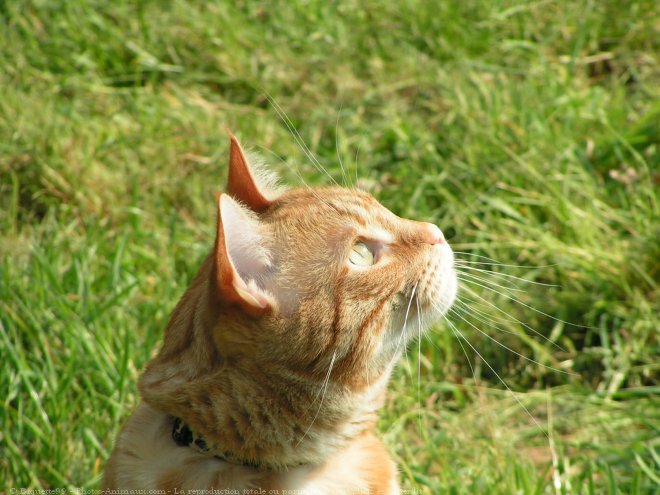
(532, 128)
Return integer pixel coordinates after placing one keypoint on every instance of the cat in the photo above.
(276, 359)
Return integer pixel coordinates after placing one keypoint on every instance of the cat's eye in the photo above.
(361, 255)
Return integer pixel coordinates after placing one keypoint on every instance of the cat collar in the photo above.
(185, 437)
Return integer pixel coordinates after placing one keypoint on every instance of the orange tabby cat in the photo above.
(277, 357)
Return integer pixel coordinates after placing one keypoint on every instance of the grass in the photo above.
(531, 128)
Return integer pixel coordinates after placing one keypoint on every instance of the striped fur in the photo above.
(281, 352)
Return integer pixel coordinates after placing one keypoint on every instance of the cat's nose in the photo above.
(432, 234)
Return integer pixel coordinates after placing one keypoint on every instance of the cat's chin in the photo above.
(438, 286)
(433, 311)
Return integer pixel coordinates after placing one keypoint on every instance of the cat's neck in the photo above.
(258, 411)
(271, 419)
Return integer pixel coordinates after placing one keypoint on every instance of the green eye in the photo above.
(361, 255)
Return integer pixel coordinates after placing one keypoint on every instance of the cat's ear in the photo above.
(241, 257)
(242, 183)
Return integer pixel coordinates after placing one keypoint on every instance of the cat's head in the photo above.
(313, 278)
(307, 291)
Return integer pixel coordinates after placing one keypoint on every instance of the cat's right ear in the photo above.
(241, 258)
(241, 183)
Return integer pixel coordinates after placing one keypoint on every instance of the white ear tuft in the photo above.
(267, 181)
(246, 184)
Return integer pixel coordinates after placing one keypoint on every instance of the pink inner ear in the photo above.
(241, 184)
(241, 260)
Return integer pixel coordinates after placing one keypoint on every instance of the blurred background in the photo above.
(528, 128)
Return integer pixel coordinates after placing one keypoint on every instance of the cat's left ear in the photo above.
(242, 183)
(241, 258)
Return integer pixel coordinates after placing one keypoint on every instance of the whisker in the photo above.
(486, 281)
(297, 138)
(407, 358)
(485, 317)
(505, 276)
(419, 366)
(467, 357)
(458, 333)
(464, 352)
(281, 159)
(357, 153)
(341, 164)
(511, 298)
(491, 260)
(495, 262)
(324, 388)
(525, 325)
(405, 320)
(507, 347)
(474, 376)
(300, 177)
(402, 333)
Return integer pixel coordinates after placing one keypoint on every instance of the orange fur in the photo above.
(280, 350)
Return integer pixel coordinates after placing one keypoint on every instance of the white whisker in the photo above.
(486, 281)
(460, 335)
(324, 389)
(419, 364)
(345, 176)
(491, 260)
(484, 318)
(405, 320)
(293, 169)
(402, 332)
(494, 262)
(474, 376)
(297, 138)
(357, 153)
(525, 325)
(503, 275)
(507, 347)
(511, 298)
(300, 177)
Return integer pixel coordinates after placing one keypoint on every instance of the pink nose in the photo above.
(433, 235)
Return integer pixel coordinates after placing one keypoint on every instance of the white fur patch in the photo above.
(380, 235)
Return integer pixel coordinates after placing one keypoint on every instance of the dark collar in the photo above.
(185, 437)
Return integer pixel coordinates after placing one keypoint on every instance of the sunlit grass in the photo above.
(531, 128)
